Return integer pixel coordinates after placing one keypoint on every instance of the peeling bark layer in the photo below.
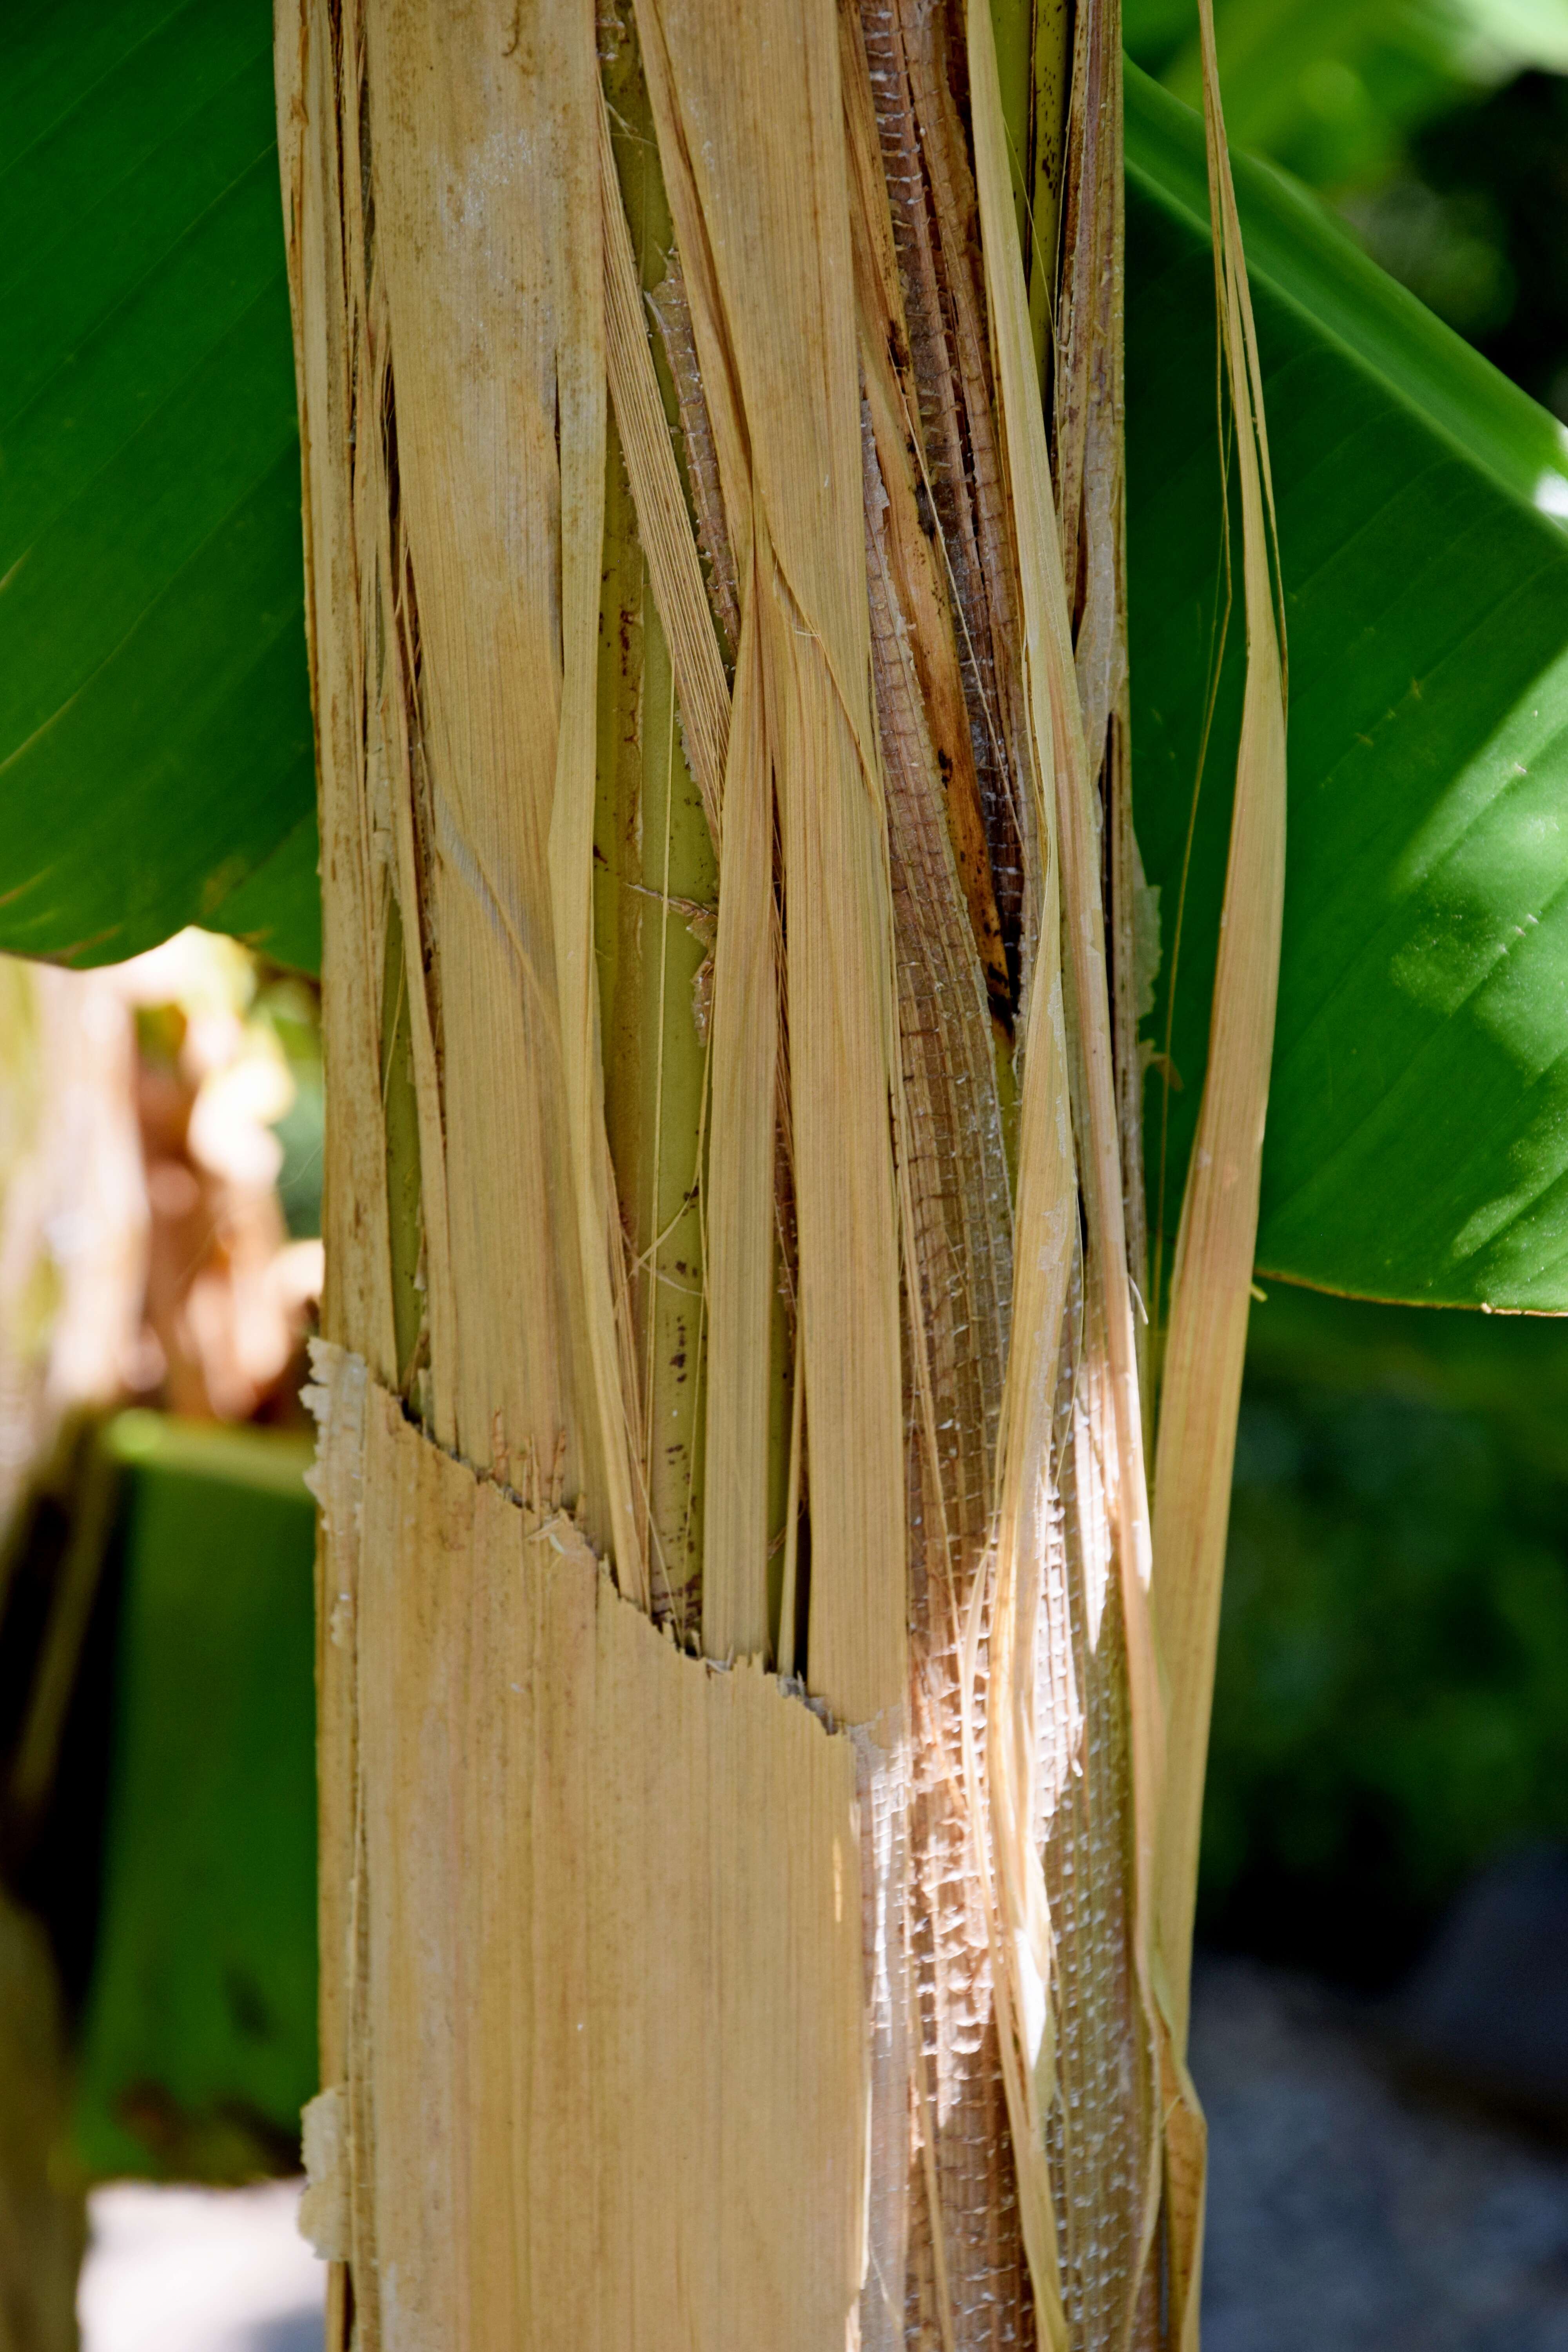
(585, 2133)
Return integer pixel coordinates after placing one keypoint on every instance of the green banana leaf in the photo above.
(1417, 1140)
(155, 745)
(154, 722)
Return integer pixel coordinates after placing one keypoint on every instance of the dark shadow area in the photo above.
(1380, 2013)
(1391, 1710)
(53, 1845)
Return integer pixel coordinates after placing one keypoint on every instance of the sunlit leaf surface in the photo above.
(1417, 1143)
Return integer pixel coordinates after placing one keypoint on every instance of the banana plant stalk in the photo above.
(772, 1522)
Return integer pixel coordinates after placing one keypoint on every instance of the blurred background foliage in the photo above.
(1439, 129)
(161, 1143)
(1392, 1704)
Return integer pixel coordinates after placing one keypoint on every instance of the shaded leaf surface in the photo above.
(155, 738)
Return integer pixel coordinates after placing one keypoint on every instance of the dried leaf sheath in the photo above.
(965, 2271)
(740, 1190)
(957, 1286)
(1088, 380)
(1090, 434)
(580, 404)
(931, 200)
(919, 564)
(700, 684)
(1211, 1282)
(767, 185)
(654, 892)
(1211, 1278)
(1047, 1212)
(1097, 2134)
